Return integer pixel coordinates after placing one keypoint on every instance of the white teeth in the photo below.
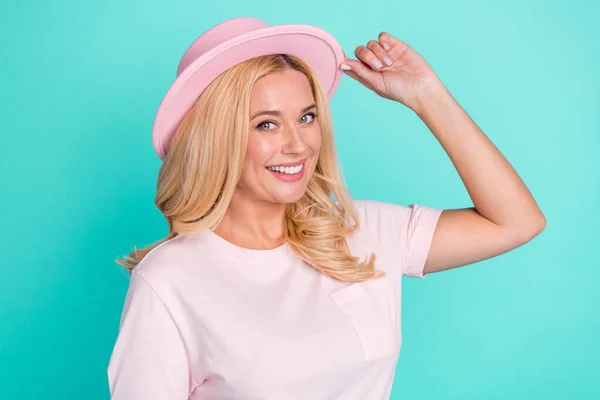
(287, 170)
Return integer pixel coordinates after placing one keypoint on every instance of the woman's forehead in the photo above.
(288, 89)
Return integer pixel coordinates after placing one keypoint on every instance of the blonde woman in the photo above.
(273, 283)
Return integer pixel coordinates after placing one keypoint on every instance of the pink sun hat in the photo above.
(232, 42)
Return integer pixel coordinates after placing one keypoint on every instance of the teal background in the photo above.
(80, 83)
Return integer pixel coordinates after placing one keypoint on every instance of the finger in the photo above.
(361, 72)
(391, 43)
(368, 57)
(380, 53)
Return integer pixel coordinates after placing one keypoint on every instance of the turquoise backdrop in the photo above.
(80, 82)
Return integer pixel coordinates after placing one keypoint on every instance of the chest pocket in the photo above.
(372, 308)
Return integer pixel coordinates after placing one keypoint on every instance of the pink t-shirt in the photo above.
(205, 319)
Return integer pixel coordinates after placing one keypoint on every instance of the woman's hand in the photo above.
(407, 78)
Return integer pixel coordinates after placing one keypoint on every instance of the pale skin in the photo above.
(255, 215)
(504, 216)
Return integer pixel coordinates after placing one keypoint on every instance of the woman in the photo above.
(273, 283)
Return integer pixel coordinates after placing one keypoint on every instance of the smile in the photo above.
(289, 170)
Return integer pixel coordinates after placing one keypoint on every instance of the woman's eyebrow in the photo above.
(279, 113)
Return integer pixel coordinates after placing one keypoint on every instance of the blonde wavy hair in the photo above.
(204, 161)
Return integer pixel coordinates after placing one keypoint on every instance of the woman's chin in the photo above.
(288, 197)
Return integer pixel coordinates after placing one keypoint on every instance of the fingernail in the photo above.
(377, 64)
(386, 46)
(387, 60)
(346, 67)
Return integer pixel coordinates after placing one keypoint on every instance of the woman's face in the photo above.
(284, 139)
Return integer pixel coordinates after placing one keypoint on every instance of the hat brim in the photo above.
(316, 47)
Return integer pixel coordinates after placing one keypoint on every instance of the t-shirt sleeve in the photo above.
(149, 359)
(406, 231)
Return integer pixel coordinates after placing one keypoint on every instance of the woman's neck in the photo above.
(253, 224)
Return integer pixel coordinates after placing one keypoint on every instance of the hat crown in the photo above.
(219, 34)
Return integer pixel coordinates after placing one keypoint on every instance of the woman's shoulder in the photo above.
(375, 210)
(400, 234)
(381, 217)
(173, 259)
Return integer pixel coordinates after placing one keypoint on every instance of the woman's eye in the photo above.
(313, 115)
(259, 126)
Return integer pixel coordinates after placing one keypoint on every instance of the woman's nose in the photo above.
(293, 142)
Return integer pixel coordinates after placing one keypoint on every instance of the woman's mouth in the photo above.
(288, 172)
